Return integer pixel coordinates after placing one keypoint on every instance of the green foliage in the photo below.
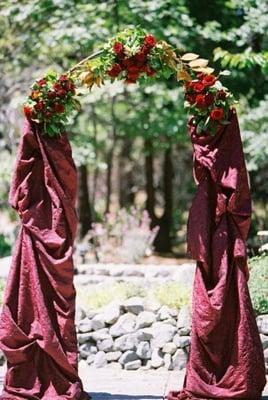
(5, 246)
(2, 289)
(258, 283)
(173, 295)
(98, 297)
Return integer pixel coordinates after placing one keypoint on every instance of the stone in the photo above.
(181, 341)
(85, 325)
(147, 366)
(126, 342)
(82, 365)
(100, 360)
(144, 351)
(145, 319)
(168, 361)
(134, 305)
(2, 358)
(98, 322)
(179, 359)
(184, 318)
(91, 314)
(264, 341)
(163, 333)
(79, 313)
(111, 313)
(125, 324)
(157, 359)
(90, 359)
(105, 345)
(169, 348)
(84, 337)
(127, 357)
(262, 322)
(184, 331)
(114, 365)
(113, 355)
(151, 305)
(86, 349)
(171, 321)
(133, 365)
(145, 334)
(163, 313)
(101, 334)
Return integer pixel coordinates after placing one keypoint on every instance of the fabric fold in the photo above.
(37, 330)
(226, 359)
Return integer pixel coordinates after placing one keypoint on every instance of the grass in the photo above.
(258, 283)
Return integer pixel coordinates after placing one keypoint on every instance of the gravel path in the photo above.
(112, 384)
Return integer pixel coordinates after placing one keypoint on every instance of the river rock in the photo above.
(128, 356)
(86, 349)
(262, 322)
(145, 319)
(169, 348)
(181, 341)
(111, 313)
(126, 342)
(144, 350)
(134, 305)
(125, 324)
(145, 334)
(100, 360)
(113, 355)
(98, 322)
(133, 365)
(179, 359)
(157, 359)
(105, 345)
(101, 334)
(163, 333)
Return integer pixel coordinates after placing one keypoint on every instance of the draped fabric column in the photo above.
(37, 331)
(226, 358)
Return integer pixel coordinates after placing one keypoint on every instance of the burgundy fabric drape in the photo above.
(226, 358)
(37, 331)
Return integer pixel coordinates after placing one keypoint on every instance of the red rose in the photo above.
(150, 71)
(217, 114)
(39, 106)
(115, 71)
(57, 86)
(63, 78)
(133, 69)
(59, 108)
(221, 94)
(200, 101)
(200, 75)
(28, 112)
(133, 76)
(61, 92)
(140, 57)
(198, 87)
(150, 41)
(128, 80)
(190, 98)
(70, 86)
(42, 82)
(209, 99)
(48, 114)
(118, 48)
(51, 94)
(209, 80)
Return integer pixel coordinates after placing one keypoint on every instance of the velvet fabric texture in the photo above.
(37, 330)
(226, 359)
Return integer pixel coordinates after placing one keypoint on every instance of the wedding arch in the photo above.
(37, 329)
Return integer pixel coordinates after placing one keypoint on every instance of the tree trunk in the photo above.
(125, 174)
(149, 173)
(84, 208)
(110, 157)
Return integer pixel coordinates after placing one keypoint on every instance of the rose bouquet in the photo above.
(50, 102)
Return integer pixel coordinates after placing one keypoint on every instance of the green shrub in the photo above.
(173, 294)
(2, 288)
(258, 283)
(96, 298)
(5, 246)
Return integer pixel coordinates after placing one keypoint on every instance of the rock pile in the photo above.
(135, 335)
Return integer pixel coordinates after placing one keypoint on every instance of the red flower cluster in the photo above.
(134, 65)
(48, 98)
(199, 94)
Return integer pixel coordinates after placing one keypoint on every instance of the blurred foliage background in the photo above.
(130, 143)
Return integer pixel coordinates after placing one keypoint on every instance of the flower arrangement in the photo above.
(130, 56)
(50, 102)
(133, 55)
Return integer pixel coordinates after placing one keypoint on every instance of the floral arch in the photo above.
(37, 326)
(132, 56)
